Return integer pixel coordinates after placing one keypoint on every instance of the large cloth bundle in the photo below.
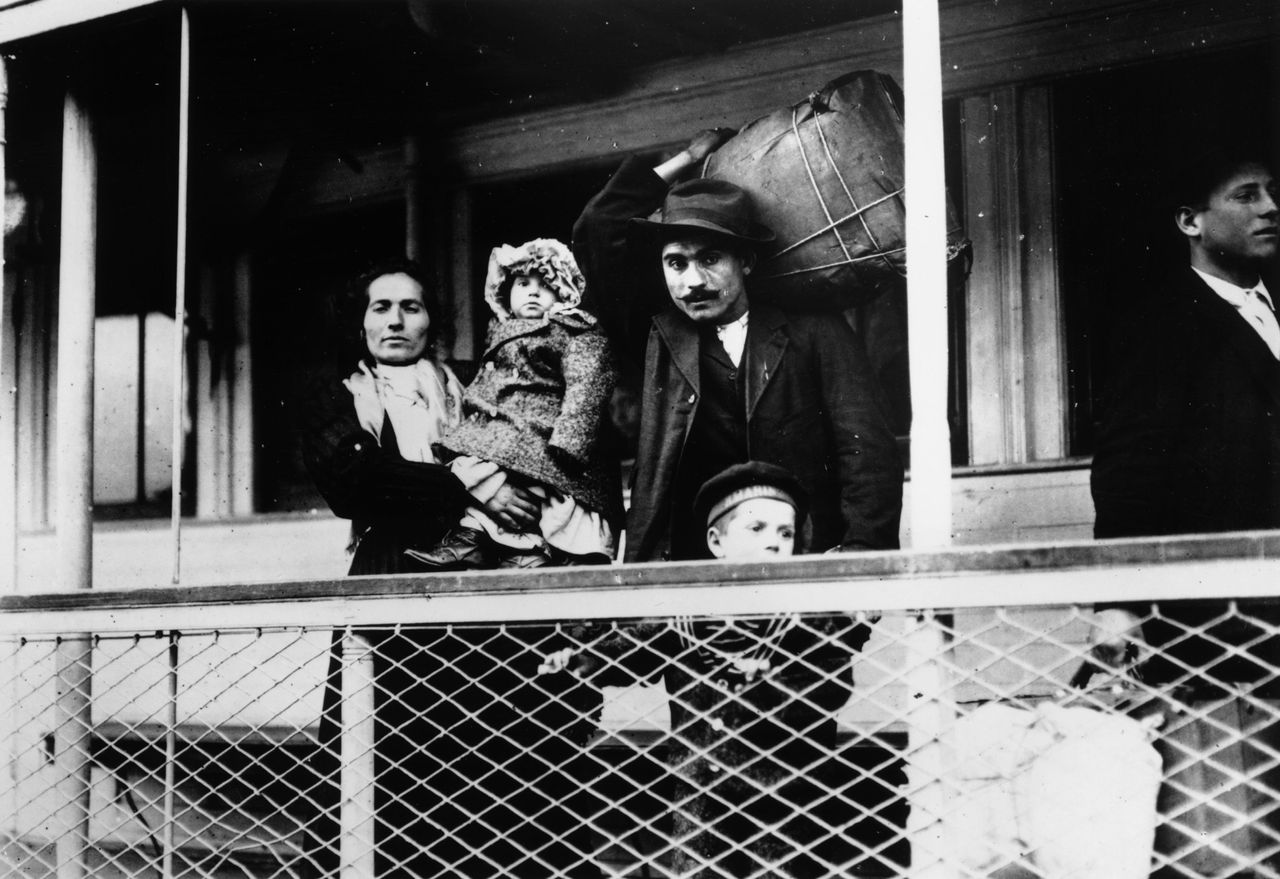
(1062, 792)
(827, 177)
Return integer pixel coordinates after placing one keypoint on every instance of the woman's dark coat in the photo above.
(453, 791)
(392, 503)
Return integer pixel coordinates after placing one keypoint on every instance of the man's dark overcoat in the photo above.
(1190, 440)
(812, 402)
(1190, 443)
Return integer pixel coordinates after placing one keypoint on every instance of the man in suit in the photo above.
(1191, 444)
(727, 379)
(1191, 440)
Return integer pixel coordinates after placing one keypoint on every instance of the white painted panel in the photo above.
(989, 508)
(25, 18)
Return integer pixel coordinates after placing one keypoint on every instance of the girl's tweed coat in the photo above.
(537, 405)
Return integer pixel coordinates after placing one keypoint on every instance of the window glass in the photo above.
(133, 413)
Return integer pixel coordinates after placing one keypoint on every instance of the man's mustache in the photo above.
(702, 296)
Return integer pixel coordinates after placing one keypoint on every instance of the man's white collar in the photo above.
(1233, 293)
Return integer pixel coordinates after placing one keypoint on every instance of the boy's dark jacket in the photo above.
(537, 405)
(761, 742)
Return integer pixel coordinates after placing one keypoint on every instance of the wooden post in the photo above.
(356, 846)
(926, 276)
(932, 714)
(74, 517)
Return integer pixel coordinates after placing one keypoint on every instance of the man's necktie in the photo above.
(1257, 310)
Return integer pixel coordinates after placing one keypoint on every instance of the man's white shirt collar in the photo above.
(1232, 293)
(733, 336)
(1258, 315)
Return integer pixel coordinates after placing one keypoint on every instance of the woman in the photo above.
(367, 437)
(442, 809)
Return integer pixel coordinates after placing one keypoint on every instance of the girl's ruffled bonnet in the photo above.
(544, 256)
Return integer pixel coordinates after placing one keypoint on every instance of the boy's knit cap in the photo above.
(744, 482)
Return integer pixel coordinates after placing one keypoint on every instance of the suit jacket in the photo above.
(1190, 440)
(1191, 443)
(812, 402)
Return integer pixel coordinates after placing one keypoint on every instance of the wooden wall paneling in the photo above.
(416, 227)
(1016, 353)
(463, 282)
(985, 44)
(222, 388)
(991, 323)
(36, 396)
(1044, 343)
(208, 386)
(240, 489)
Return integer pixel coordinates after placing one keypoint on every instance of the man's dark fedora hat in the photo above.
(708, 205)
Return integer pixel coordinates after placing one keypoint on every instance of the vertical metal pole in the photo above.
(170, 761)
(180, 294)
(8, 380)
(926, 276)
(929, 756)
(140, 423)
(356, 824)
(76, 307)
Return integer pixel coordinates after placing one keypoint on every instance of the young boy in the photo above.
(753, 699)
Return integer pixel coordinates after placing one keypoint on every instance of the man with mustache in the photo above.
(727, 379)
(1190, 443)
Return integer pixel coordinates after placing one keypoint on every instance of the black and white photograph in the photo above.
(621, 439)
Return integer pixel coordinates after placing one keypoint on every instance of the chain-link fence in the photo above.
(972, 742)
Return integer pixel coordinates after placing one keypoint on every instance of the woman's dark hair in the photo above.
(353, 301)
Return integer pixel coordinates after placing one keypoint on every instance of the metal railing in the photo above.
(883, 715)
